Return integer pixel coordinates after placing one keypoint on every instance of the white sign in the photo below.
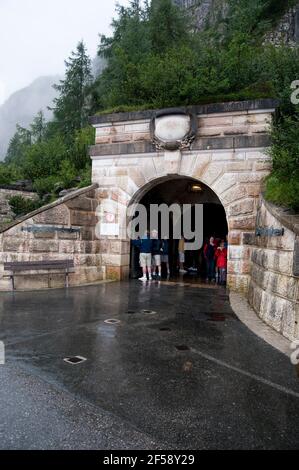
(110, 230)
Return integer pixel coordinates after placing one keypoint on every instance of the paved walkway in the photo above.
(180, 370)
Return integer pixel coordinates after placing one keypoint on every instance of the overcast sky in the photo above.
(36, 36)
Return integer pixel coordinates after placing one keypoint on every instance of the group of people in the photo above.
(155, 252)
(215, 254)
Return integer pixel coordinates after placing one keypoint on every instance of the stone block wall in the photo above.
(62, 230)
(274, 284)
(229, 155)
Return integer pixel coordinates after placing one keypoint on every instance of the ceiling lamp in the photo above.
(196, 188)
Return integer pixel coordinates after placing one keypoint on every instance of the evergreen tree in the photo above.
(142, 31)
(169, 26)
(18, 146)
(38, 127)
(72, 105)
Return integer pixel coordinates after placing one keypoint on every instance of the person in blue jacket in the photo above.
(145, 246)
(156, 254)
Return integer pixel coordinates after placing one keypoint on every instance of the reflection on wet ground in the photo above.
(177, 364)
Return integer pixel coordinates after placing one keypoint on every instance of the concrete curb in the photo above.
(248, 316)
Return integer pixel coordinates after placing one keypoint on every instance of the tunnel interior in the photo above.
(185, 191)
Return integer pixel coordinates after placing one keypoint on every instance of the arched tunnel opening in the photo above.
(184, 191)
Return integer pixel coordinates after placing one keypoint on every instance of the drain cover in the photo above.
(75, 360)
(149, 312)
(182, 347)
(112, 321)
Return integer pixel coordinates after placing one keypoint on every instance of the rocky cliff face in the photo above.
(286, 30)
(204, 11)
(22, 106)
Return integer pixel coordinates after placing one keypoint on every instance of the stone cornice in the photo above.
(226, 107)
(213, 143)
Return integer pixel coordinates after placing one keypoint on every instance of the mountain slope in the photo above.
(283, 16)
(23, 105)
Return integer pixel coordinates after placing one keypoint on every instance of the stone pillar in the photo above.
(111, 232)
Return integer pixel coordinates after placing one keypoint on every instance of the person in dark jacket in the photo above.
(209, 254)
(156, 254)
(145, 246)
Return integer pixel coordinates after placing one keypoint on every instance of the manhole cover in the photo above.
(75, 360)
(165, 329)
(182, 347)
(149, 312)
(112, 321)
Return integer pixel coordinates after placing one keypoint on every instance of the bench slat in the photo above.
(36, 265)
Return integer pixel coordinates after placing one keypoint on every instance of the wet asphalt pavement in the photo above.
(179, 371)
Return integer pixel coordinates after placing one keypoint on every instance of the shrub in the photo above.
(22, 206)
(46, 185)
(85, 177)
(283, 184)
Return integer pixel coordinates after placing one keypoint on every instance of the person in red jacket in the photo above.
(221, 262)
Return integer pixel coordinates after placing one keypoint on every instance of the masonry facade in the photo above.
(62, 230)
(223, 146)
(228, 154)
(274, 280)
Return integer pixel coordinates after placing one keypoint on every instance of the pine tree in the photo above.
(168, 25)
(38, 127)
(72, 105)
(18, 146)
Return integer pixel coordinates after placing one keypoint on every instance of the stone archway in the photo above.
(239, 208)
(222, 146)
(169, 194)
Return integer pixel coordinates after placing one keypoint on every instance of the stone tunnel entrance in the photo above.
(154, 155)
(182, 191)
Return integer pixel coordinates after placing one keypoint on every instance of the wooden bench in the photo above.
(16, 267)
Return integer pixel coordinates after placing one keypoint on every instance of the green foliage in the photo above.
(142, 33)
(255, 17)
(72, 105)
(154, 59)
(22, 206)
(83, 138)
(38, 128)
(9, 173)
(283, 192)
(43, 159)
(283, 184)
(167, 26)
(85, 176)
(18, 146)
(47, 185)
